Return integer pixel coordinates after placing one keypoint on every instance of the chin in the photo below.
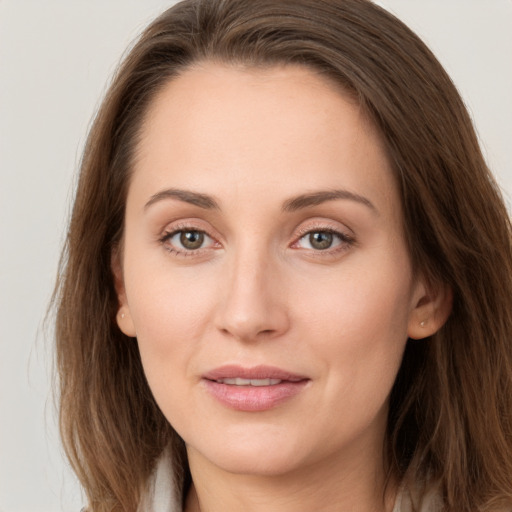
(257, 465)
(260, 456)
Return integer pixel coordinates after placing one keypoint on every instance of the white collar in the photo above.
(162, 493)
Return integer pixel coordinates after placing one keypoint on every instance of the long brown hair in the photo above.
(450, 418)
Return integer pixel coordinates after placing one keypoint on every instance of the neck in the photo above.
(329, 486)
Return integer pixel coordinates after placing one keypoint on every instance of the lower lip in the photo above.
(254, 398)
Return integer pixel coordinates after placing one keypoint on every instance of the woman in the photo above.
(287, 279)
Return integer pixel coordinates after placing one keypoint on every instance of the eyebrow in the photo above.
(195, 198)
(316, 198)
(291, 205)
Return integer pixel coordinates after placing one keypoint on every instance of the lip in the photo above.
(256, 372)
(253, 398)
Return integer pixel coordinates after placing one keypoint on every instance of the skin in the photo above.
(257, 291)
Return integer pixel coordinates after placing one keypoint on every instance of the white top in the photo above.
(163, 495)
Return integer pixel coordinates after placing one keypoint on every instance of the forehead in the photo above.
(246, 93)
(267, 126)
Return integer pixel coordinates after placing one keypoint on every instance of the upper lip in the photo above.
(255, 372)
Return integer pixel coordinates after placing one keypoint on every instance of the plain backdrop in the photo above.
(56, 57)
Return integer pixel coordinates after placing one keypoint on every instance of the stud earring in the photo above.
(422, 323)
(122, 315)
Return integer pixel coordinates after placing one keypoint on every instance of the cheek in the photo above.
(368, 297)
(359, 321)
(171, 311)
(169, 328)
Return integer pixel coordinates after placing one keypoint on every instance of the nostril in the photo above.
(264, 332)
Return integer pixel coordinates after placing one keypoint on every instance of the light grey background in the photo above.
(56, 57)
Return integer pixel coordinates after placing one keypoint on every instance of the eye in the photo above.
(187, 240)
(322, 240)
(190, 239)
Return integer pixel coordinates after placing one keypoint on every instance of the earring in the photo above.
(422, 323)
(122, 315)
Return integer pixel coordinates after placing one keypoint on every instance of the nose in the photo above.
(253, 303)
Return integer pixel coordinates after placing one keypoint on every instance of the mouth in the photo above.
(253, 389)
(249, 382)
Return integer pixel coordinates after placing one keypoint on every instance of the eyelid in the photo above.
(189, 224)
(323, 225)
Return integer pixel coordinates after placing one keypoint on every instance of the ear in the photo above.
(123, 316)
(432, 305)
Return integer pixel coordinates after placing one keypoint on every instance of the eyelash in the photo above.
(345, 240)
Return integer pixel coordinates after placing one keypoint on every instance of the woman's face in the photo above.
(264, 270)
